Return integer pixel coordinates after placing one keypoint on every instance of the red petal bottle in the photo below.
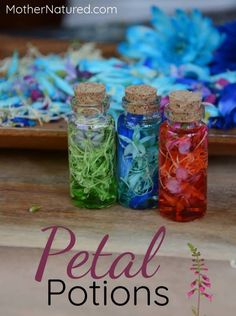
(183, 158)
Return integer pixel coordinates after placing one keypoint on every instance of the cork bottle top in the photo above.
(141, 99)
(89, 95)
(185, 106)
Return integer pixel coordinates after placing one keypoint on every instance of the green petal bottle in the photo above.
(92, 148)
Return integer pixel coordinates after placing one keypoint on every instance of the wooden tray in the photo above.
(54, 135)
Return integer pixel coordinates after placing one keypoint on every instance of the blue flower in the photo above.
(227, 105)
(227, 109)
(225, 56)
(181, 39)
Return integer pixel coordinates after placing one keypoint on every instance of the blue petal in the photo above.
(227, 102)
(13, 65)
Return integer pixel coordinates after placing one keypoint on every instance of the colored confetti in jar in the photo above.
(137, 153)
(92, 149)
(183, 158)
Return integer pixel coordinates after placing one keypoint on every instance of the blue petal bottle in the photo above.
(137, 148)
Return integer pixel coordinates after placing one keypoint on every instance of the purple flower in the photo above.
(190, 293)
(71, 70)
(83, 75)
(181, 173)
(36, 94)
(211, 98)
(208, 296)
(173, 186)
(184, 146)
(201, 281)
(222, 82)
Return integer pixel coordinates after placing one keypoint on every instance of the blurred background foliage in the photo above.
(95, 27)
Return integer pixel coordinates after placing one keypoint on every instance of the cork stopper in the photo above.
(89, 97)
(90, 93)
(185, 106)
(141, 99)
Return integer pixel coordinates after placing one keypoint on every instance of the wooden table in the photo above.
(39, 177)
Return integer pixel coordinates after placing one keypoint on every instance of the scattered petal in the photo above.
(34, 208)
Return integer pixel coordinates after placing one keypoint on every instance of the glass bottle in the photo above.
(137, 148)
(183, 158)
(92, 148)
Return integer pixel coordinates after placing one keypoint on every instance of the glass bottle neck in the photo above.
(184, 125)
(140, 118)
(90, 109)
(139, 112)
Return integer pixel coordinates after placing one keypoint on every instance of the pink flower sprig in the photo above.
(201, 282)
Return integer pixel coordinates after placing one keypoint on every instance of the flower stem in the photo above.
(199, 293)
(198, 304)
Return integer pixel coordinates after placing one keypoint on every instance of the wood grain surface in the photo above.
(46, 46)
(54, 136)
(37, 177)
